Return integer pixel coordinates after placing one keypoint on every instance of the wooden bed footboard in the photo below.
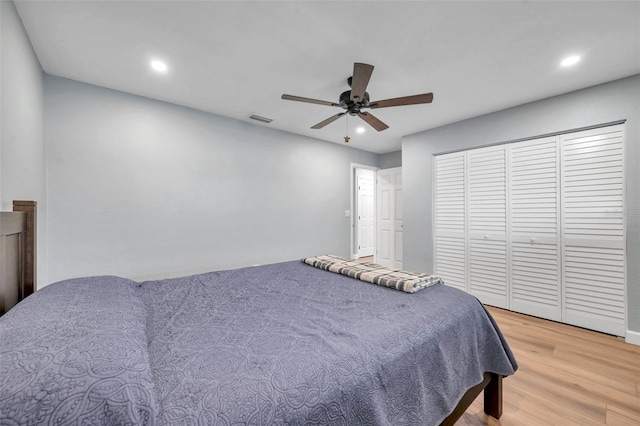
(492, 386)
(17, 254)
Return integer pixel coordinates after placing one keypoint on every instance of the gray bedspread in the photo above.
(277, 344)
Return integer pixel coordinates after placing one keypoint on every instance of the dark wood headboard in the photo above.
(17, 253)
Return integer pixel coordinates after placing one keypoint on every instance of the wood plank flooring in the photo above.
(567, 376)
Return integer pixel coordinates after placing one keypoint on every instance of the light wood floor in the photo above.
(566, 376)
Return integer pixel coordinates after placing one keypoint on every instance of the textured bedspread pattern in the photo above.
(283, 344)
(406, 281)
(75, 353)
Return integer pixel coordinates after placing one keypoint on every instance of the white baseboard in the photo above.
(632, 337)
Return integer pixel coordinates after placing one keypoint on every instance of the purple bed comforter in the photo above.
(276, 344)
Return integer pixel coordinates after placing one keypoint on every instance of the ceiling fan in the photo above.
(356, 99)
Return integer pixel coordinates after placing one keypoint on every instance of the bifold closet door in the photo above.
(487, 225)
(593, 229)
(534, 188)
(450, 245)
(537, 226)
(470, 244)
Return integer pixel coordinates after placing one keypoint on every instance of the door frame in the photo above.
(353, 253)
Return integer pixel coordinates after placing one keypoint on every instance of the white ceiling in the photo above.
(235, 58)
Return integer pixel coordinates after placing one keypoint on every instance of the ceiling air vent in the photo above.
(261, 119)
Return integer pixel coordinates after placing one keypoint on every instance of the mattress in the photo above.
(277, 344)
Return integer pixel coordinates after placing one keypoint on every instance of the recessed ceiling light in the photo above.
(360, 130)
(571, 60)
(159, 66)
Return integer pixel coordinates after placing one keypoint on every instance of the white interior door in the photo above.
(365, 212)
(450, 219)
(389, 218)
(487, 232)
(534, 188)
(398, 220)
(592, 210)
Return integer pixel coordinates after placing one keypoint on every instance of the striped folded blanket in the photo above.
(409, 282)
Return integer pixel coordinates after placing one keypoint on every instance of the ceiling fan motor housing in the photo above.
(353, 107)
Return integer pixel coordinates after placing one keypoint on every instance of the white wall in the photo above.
(618, 100)
(141, 188)
(391, 160)
(22, 148)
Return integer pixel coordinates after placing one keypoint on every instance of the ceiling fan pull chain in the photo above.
(346, 130)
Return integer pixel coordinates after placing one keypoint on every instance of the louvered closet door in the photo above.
(487, 206)
(535, 218)
(593, 225)
(450, 259)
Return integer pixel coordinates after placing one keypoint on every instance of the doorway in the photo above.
(363, 211)
(376, 215)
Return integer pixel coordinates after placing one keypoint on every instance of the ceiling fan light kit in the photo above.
(354, 100)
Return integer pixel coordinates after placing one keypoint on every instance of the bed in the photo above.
(285, 343)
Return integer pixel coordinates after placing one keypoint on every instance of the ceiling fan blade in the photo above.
(360, 80)
(308, 100)
(424, 98)
(329, 120)
(373, 121)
